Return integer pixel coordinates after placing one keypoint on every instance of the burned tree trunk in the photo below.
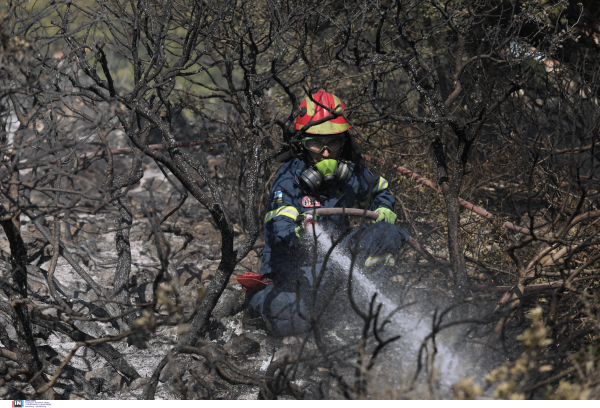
(16, 290)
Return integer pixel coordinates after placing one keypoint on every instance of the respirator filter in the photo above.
(326, 171)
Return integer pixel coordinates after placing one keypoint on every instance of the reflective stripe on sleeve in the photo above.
(285, 210)
(383, 184)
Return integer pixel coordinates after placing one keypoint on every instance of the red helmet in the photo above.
(315, 112)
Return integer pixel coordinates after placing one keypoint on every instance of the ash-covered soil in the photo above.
(195, 252)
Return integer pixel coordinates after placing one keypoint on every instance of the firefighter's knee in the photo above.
(279, 311)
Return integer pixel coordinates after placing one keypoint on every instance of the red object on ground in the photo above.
(253, 281)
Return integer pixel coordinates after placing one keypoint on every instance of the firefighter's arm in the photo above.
(377, 187)
(280, 219)
(382, 196)
(384, 203)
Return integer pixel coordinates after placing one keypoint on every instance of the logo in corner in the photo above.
(19, 404)
(310, 202)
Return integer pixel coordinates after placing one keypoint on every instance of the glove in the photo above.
(303, 221)
(385, 214)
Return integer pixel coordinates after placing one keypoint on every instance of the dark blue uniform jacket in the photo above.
(287, 200)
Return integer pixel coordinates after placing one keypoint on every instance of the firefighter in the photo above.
(327, 171)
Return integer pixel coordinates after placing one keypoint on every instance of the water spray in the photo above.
(414, 326)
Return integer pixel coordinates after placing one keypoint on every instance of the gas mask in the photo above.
(326, 172)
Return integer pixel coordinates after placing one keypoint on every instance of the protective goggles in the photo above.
(317, 145)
